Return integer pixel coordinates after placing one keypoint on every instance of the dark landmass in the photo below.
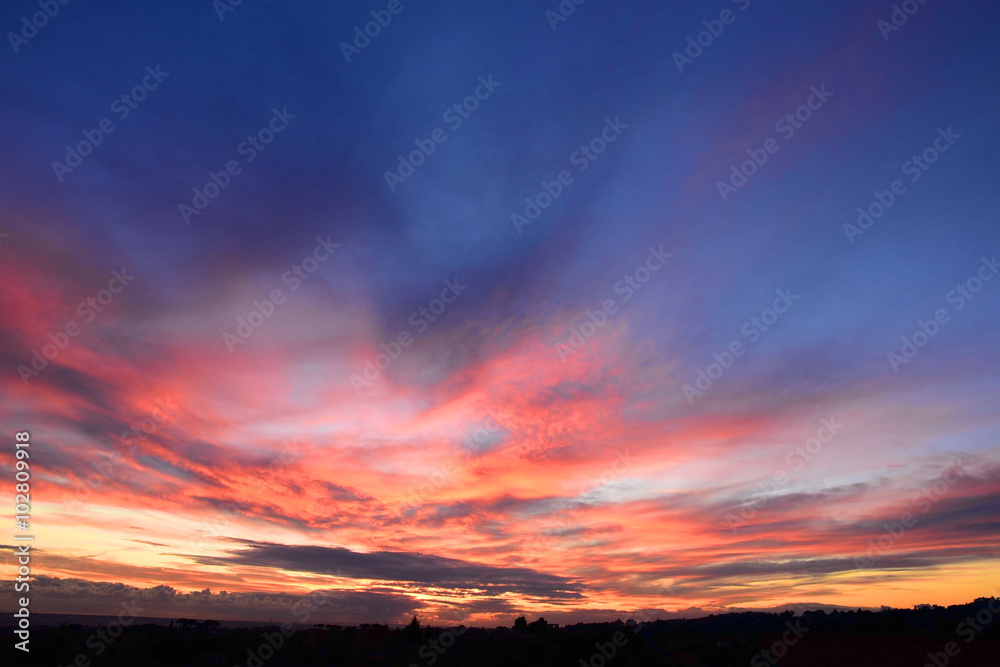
(961, 636)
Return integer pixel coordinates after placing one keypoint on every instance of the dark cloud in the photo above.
(76, 596)
(336, 492)
(400, 566)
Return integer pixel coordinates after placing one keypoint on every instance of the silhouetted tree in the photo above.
(209, 625)
(538, 627)
(521, 623)
(412, 631)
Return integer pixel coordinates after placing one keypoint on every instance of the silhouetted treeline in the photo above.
(954, 636)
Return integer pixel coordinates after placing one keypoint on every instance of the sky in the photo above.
(612, 310)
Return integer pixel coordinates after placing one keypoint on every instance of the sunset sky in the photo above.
(623, 366)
